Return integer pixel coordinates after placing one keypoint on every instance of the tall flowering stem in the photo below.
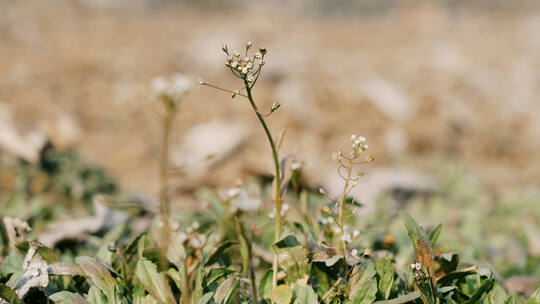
(277, 173)
(347, 163)
(169, 92)
(249, 68)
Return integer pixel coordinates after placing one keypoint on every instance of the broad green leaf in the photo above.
(97, 273)
(304, 294)
(265, 285)
(421, 243)
(215, 256)
(67, 297)
(385, 271)
(486, 287)
(367, 293)
(12, 263)
(156, 256)
(497, 295)
(105, 253)
(282, 294)
(288, 241)
(216, 274)
(402, 299)
(360, 274)
(155, 283)
(225, 289)
(139, 296)
(95, 296)
(206, 298)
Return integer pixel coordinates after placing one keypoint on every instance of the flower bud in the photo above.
(224, 48)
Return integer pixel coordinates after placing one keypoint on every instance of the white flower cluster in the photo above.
(246, 67)
(244, 199)
(358, 144)
(284, 208)
(174, 88)
(348, 236)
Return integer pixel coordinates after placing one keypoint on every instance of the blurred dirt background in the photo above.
(444, 81)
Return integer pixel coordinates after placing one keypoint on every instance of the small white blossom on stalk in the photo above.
(243, 200)
(173, 88)
(284, 209)
(416, 266)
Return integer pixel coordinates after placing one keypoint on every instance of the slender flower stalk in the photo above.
(249, 69)
(347, 163)
(277, 174)
(343, 245)
(170, 93)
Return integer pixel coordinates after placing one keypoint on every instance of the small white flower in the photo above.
(244, 201)
(416, 266)
(356, 233)
(296, 165)
(180, 84)
(195, 225)
(159, 85)
(354, 252)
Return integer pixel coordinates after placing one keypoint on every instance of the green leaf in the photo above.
(282, 294)
(215, 256)
(206, 298)
(366, 294)
(139, 295)
(434, 235)
(9, 295)
(199, 288)
(265, 286)
(155, 283)
(421, 242)
(67, 297)
(360, 274)
(288, 241)
(97, 273)
(12, 263)
(178, 277)
(105, 253)
(385, 271)
(95, 296)
(497, 295)
(535, 297)
(304, 294)
(156, 256)
(402, 299)
(217, 273)
(331, 261)
(486, 287)
(225, 289)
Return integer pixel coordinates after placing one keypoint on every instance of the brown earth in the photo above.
(421, 82)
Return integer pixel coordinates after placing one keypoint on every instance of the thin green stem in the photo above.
(277, 233)
(341, 203)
